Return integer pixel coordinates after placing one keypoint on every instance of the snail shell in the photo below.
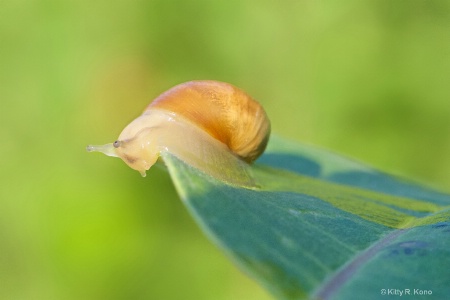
(212, 126)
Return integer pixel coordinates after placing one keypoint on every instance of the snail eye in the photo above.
(116, 144)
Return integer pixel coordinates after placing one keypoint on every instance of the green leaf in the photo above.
(323, 226)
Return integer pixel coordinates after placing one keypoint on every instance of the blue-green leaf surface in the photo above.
(320, 226)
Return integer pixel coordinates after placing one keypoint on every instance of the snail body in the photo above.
(212, 126)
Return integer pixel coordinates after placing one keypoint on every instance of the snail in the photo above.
(212, 126)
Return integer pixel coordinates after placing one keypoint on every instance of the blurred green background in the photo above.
(368, 79)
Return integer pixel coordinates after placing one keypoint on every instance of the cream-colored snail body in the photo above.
(212, 126)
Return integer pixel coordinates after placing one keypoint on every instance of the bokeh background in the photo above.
(368, 79)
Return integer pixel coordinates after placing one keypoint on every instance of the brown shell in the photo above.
(224, 111)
